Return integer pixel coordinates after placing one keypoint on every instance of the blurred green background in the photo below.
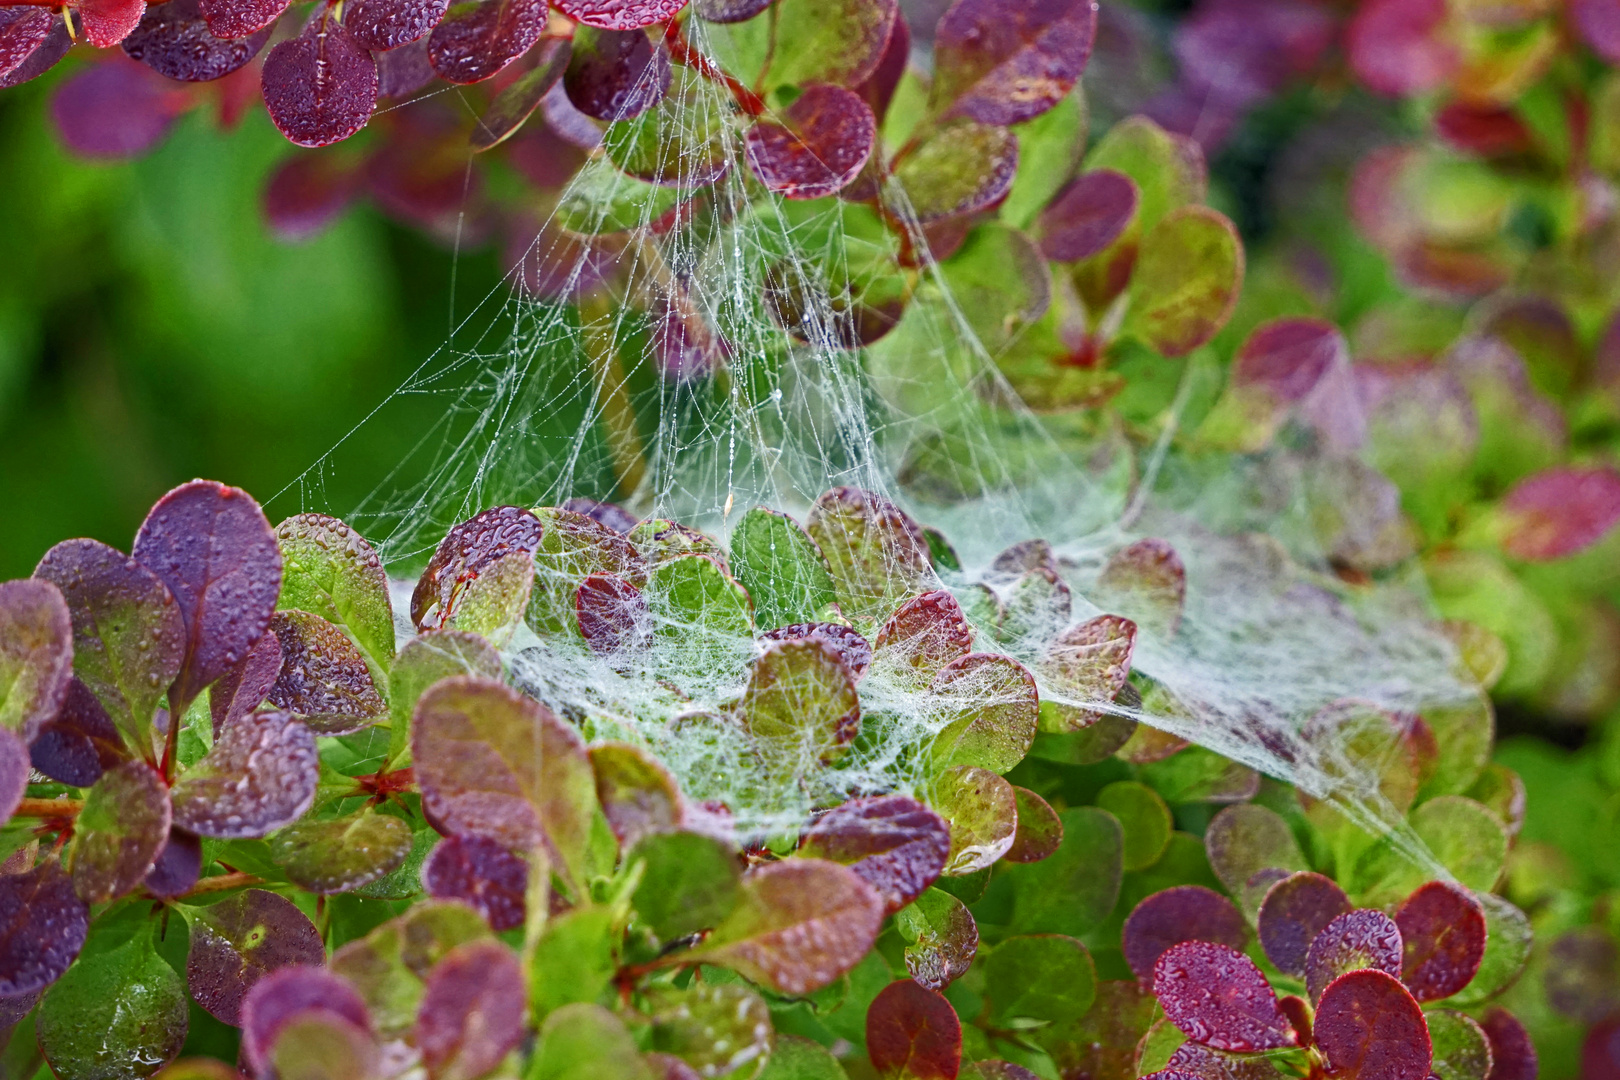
(152, 331)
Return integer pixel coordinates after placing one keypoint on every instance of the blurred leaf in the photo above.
(1188, 274)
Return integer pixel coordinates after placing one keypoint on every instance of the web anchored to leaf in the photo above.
(795, 276)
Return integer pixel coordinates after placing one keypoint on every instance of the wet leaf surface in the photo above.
(43, 924)
(615, 75)
(1147, 582)
(286, 995)
(1091, 661)
(991, 704)
(1369, 1028)
(390, 965)
(232, 19)
(621, 14)
(941, 938)
(36, 654)
(336, 855)
(913, 1033)
(1040, 830)
(800, 705)
(782, 569)
(480, 873)
(480, 37)
(1172, 916)
(894, 842)
(878, 556)
(1293, 912)
(1461, 1050)
(178, 865)
(982, 811)
(22, 31)
(324, 680)
(816, 147)
(116, 1012)
(1244, 839)
(465, 552)
(835, 41)
(715, 1029)
(259, 776)
(238, 941)
(613, 616)
(1443, 937)
(1003, 63)
(387, 24)
(922, 637)
(118, 834)
(1217, 996)
(244, 687)
(77, 744)
(331, 571)
(173, 39)
(853, 649)
(514, 105)
(1363, 938)
(472, 1011)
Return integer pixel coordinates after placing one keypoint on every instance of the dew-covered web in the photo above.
(645, 362)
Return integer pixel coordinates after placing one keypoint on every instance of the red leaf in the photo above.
(1513, 1055)
(480, 37)
(1088, 215)
(1369, 1028)
(307, 192)
(1005, 61)
(320, 87)
(1488, 130)
(1396, 47)
(1040, 830)
(22, 31)
(239, 941)
(853, 649)
(620, 14)
(114, 110)
(818, 148)
(43, 56)
(616, 76)
(1363, 938)
(1559, 512)
(913, 1033)
(613, 615)
(924, 635)
(894, 842)
(482, 874)
(878, 88)
(174, 40)
(1172, 916)
(1443, 934)
(1217, 997)
(1288, 357)
(388, 24)
(472, 1011)
(238, 18)
(465, 552)
(404, 70)
(107, 22)
(1293, 913)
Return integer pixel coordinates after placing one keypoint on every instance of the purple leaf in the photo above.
(405, 70)
(22, 31)
(729, 11)
(1401, 48)
(1091, 661)
(613, 616)
(1513, 1055)
(895, 843)
(1217, 997)
(14, 765)
(1293, 913)
(307, 192)
(129, 638)
(387, 24)
(465, 552)
(472, 1011)
(1369, 1028)
(44, 56)
(320, 87)
(231, 19)
(288, 994)
(878, 88)
(1004, 61)
(482, 874)
(259, 776)
(174, 40)
(913, 1034)
(324, 680)
(213, 548)
(119, 832)
(1040, 830)
(239, 941)
(638, 795)
(77, 744)
(42, 927)
(853, 649)
(178, 866)
(614, 75)
(612, 515)
(1172, 916)
(819, 146)
(513, 106)
(1363, 938)
(244, 687)
(620, 14)
(480, 37)
(36, 654)
(1087, 216)
(1443, 939)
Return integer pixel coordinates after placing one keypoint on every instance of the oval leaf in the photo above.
(239, 941)
(1186, 281)
(941, 939)
(1369, 1028)
(477, 38)
(387, 24)
(336, 855)
(173, 39)
(36, 654)
(119, 832)
(44, 926)
(990, 704)
(120, 1012)
(1002, 63)
(982, 810)
(324, 680)
(894, 842)
(320, 87)
(800, 705)
(1443, 937)
(782, 569)
(260, 775)
(480, 873)
(913, 1034)
(1172, 916)
(638, 795)
(472, 1011)
(817, 147)
(1087, 216)
(960, 168)
(1363, 938)
(877, 553)
(1294, 911)
(288, 994)
(616, 75)
(1217, 997)
(329, 570)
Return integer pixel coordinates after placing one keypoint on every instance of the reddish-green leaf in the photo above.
(118, 834)
(1461, 1049)
(427, 658)
(324, 680)
(941, 938)
(1363, 938)
(990, 704)
(241, 939)
(77, 744)
(877, 554)
(613, 616)
(620, 14)
(1247, 838)
(1217, 997)
(817, 146)
(1090, 663)
(894, 842)
(924, 634)
(798, 925)
(244, 687)
(480, 37)
(128, 635)
(472, 1011)
(1040, 830)
(479, 872)
(513, 106)
(913, 1034)
(800, 705)
(716, 1029)
(211, 545)
(638, 795)
(1172, 916)
(1369, 1028)
(1003, 63)
(1146, 582)
(962, 166)
(36, 654)
(853, 649)
(1186, 281)
(329, 570)
(1295, 910)
(465, 552)
(1559, 512)
(572, 547)
(495, 763)
(336, 855)
(982, 811)
(1443, 936)
(288, 994)
(834, 41)
(43, 924)
(390, 965)
(259, 776)
(1087, 216)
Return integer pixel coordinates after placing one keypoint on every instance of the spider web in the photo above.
(651, 371)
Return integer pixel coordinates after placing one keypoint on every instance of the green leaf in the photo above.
(1464, 734)
(1046, 977)
(1242, 840)
(328, 569)
(798, 1058)
(36, 654)
(800, 706)
(1168, 170)
(782, 569)
(119, 833)
(1466, 838)
(691, 883)
(717, 1028)
(116, 1014)
(638, 795)
(702, 626)
(1188, 273)
(982, 811)
(572, 547)
(390, 965)
(601, 199)
(1000, 281)
(830, 41)
(425, 659)
(586, 1042)
(1461, 1051)
(877, 554)
(573, 961)
(320, 1045)
(798, 925)
(958, 168)
(941, 938)
(680, 142)
(1144, 818)
(493, 604)
(1076, 888)
(990, 704)
(337, 855)
(1197, 774)
(1049, 151)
